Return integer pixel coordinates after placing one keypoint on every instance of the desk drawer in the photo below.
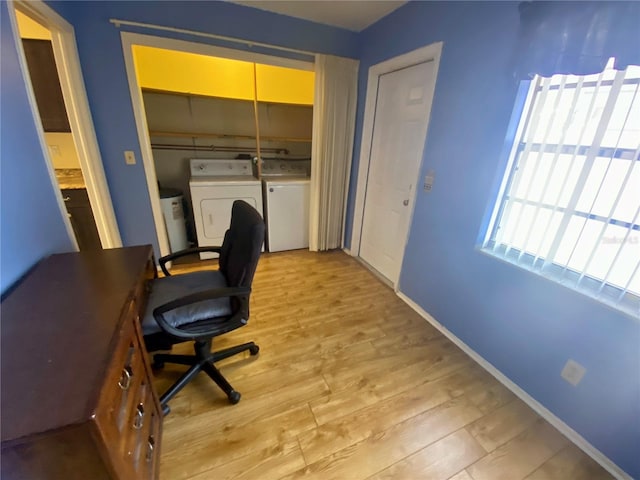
(122, 374)
(141, 438)
(126, 386)
(152, 454)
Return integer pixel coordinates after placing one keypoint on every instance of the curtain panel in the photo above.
(558, 37)
(334, 114)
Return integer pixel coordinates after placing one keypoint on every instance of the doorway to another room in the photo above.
(38, 50)
(50, 64)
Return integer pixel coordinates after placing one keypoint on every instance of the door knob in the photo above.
(405, 203)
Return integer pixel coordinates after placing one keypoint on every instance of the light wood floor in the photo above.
(351, 384)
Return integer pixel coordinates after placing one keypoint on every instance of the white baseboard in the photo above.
(565, 429)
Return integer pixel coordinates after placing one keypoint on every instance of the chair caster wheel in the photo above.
(254, 350)
(234, 397)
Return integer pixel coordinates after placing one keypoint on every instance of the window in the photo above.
(569, 203)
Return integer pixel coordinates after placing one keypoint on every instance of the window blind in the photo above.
(569, 205)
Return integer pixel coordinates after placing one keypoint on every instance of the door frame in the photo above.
(421, 55)
(130, 39)
(77, 105)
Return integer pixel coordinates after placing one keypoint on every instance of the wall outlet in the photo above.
(129, 157)
(573, 372)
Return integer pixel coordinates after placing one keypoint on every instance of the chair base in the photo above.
(203, 360)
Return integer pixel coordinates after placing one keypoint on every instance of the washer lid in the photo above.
(277, 181)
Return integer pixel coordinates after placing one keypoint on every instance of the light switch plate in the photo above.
(428, 180)
(129, 157)
(55, 150)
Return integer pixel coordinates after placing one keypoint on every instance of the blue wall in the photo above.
(102, 60)
(31, 224)
(524, 325)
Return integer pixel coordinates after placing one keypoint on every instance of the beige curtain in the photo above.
(334, 114)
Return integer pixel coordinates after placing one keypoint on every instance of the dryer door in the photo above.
(216, 217)
(212, 211)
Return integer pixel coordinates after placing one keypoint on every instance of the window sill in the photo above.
(589, 287)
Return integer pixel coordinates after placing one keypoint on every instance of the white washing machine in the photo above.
(214, 186)
(286, 203)
(287, 213)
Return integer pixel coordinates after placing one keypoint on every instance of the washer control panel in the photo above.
(202, 167)
(286, 168)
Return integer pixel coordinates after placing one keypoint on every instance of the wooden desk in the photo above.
(77, 396)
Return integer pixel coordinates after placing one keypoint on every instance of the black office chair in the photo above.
(201, 305)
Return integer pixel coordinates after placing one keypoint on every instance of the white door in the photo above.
(399, 131)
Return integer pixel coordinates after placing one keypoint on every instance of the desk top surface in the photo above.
(58, 333)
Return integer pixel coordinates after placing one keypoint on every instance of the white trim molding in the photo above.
(137, 102)
(77, 106)
(421, 55)
(213, 50)
(163, 28)
(540, 409)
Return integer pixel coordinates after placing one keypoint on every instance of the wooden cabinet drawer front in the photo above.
(152, 453)
(119, 391)
(75, 197)
(143, 432)
(130, 400)
(140, 430)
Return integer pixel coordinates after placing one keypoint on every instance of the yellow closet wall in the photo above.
(284, 85)
(173, 71)
(181, 72)
(29, 28)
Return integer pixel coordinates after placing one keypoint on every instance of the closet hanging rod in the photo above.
(117, 23)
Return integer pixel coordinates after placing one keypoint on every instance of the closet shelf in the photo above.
(200, 95)
(214, 148)
(265, 138)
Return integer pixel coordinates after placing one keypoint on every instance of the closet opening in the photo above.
(221, 124)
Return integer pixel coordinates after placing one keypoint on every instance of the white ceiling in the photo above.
(355, 15)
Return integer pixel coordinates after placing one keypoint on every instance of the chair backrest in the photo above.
(242, 245)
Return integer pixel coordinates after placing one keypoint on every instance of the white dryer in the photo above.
(214, 186)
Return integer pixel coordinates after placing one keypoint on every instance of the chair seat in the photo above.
(171, 288)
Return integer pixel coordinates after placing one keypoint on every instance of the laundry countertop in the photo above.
(70, 178)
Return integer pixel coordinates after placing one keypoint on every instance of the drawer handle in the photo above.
(125, 378)
(67, 198)
(138, 421)
(150, 447)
